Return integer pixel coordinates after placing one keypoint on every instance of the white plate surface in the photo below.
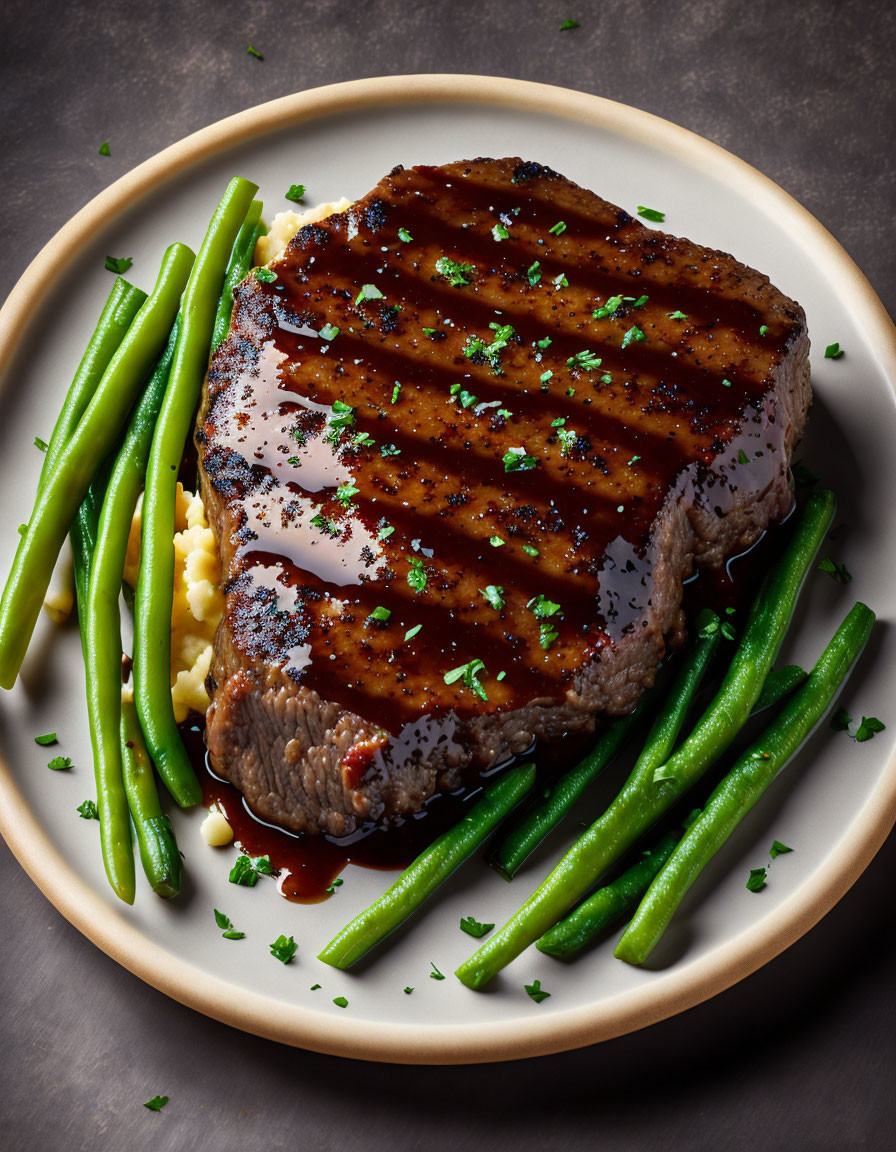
(838, 799)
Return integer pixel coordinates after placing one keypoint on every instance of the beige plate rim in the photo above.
(401, 1043)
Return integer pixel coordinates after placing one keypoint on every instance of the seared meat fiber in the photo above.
(460, 455)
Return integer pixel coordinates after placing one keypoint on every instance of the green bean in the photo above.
(779, 683)
(608, 905)
(522, 840)
(431, 868)
(96, 433)
(647, 794)
(237, 270)
(120, 308)
(101, 629)
(155, 836)
(742, 787)
(155, 583)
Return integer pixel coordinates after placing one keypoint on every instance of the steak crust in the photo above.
(484, 401)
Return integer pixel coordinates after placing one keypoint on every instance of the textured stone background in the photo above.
(801, 1055)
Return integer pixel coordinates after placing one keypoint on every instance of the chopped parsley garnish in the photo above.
(543, 609)
(496, 541)
(454, 272)
(254, 52)
(389, 450)
(296, 193)
(247, 869)
(836, 571)
(530, 550)
(404, 236)
(560, 281)
(833, 352)
(408, 991)
(284, 948)
(763, 328)
(516, 460)
(472, 927)
(545, 342)
(325, 524)
(545, 376)
(607, 309)
(756, 882)
(742, 457)
(412, 632)
(714, 625)
(104, 149)
(380, 613)
(430, 332)
(677, 315)
(567, 25)
(343, 415)
(119, 264)
(345, 492)
(536, 992)
(396, 392)
(726, 383)
(651, 214)
(633, 335)
(88, 810)
(337, 883)
(156, 1104)
(340, 1002)
(329, 332)
(634, 460)
(500, 232)
(385, 532)
(869, 725)
(841, 721)
(363, 440)
(494, 594)
(369, 292)
(470, 674)
(417, 576)
(476, 348)
(315, 987)
(640, 302)
(567, 438)
(228, 930)
(533, 273)
(435, 974)
(265, 275)
(60, 763)
(557, 229)
(50, 738)
(42, 444)
(585, 360)
(778, 849)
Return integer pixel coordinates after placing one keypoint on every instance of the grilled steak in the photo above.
(460, 454)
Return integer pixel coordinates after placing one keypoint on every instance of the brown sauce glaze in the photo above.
(380, 498)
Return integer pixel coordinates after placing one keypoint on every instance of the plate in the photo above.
(834, 807)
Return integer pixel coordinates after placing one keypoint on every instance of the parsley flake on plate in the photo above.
(340, 1002)
(104, 149)
(329, 332)
(417, 576)
(60, 763)
(412, 632)
(756, 881)
(838, 572)
(494, 594)
(156, 1104)
(500, 232)
(254, 52)
(380, 613)
(404, 236)
(473, 927)
(227, 929)
(435, 974)
(88, 810)
(469, 673)
(651, 214)
(536, 992)
(633, 336)
(265, 275)
(119, 264)
(778, 849)
(247, 869)
(516, 460)
(42, 444)
(568, 25)
(833, 352)
(284, 948)
(296, 193)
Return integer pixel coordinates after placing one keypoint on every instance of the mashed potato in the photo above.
(285, 225)
(198, 603)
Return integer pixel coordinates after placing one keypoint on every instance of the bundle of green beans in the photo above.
(131, 400)
(651, 790)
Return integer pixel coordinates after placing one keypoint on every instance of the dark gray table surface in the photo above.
(799, 1056)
